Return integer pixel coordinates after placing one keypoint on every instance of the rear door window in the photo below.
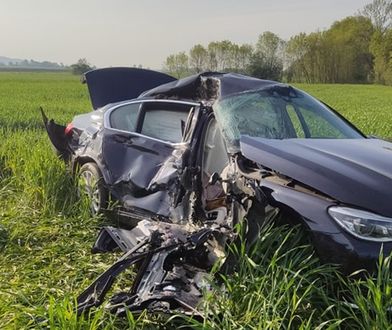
(125, 117)
(165, 121)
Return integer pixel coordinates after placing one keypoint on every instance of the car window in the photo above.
(253, 115)
(278, 113)
(125, 117)
(296, 121)
(319, 126)
(165, 124)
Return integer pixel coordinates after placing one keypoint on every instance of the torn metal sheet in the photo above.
(147, 178)
(174, 262)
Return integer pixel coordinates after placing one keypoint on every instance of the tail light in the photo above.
(68, 129)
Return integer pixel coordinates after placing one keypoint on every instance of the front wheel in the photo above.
(92, 186)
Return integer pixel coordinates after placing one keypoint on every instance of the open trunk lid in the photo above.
(110, 85)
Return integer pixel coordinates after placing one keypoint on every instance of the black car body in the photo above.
(216, 148)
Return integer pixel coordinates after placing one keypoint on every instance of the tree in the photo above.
(267, 61)
(339, 54)
(81, 66)
(380, 13)
(198, 58)
(243, 58)
(217, 56)
(177, 65)
(296, 50)
(221, 55)
(349, 41)
(381, 48)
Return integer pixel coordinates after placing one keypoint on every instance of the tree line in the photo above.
(31, 64)
(356, 49)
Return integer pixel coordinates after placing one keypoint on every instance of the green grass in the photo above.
(368, 107)
(46, 233)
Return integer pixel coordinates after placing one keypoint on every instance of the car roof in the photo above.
(209, 86)
(111, 86)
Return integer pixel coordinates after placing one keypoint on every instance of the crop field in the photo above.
(46, 233)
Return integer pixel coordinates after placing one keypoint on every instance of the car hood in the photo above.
(353, 171)
(111, 85)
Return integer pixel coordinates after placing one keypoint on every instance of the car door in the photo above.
(145, 149)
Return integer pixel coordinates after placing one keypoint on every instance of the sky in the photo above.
(128, 32)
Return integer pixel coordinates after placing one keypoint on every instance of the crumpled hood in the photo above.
(352, 171)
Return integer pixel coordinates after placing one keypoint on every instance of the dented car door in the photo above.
(146, 164)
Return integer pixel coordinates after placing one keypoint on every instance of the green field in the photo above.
(46, 232)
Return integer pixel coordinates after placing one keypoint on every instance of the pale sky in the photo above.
(127, 32)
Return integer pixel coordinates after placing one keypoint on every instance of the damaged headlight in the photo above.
(362, 224)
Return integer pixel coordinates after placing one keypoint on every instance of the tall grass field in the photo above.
(46, 234)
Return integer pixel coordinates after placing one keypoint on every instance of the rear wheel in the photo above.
(92, 186)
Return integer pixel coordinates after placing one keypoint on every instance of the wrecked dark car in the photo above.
(187, 160)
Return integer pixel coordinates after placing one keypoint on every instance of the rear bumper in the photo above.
(56, 133)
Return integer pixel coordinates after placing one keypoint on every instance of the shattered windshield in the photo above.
(278, 113)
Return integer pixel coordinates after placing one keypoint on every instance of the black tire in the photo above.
(92, 185)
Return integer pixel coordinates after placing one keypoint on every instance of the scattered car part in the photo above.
(174, 262)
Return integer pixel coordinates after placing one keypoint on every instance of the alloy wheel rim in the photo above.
(91, 190)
